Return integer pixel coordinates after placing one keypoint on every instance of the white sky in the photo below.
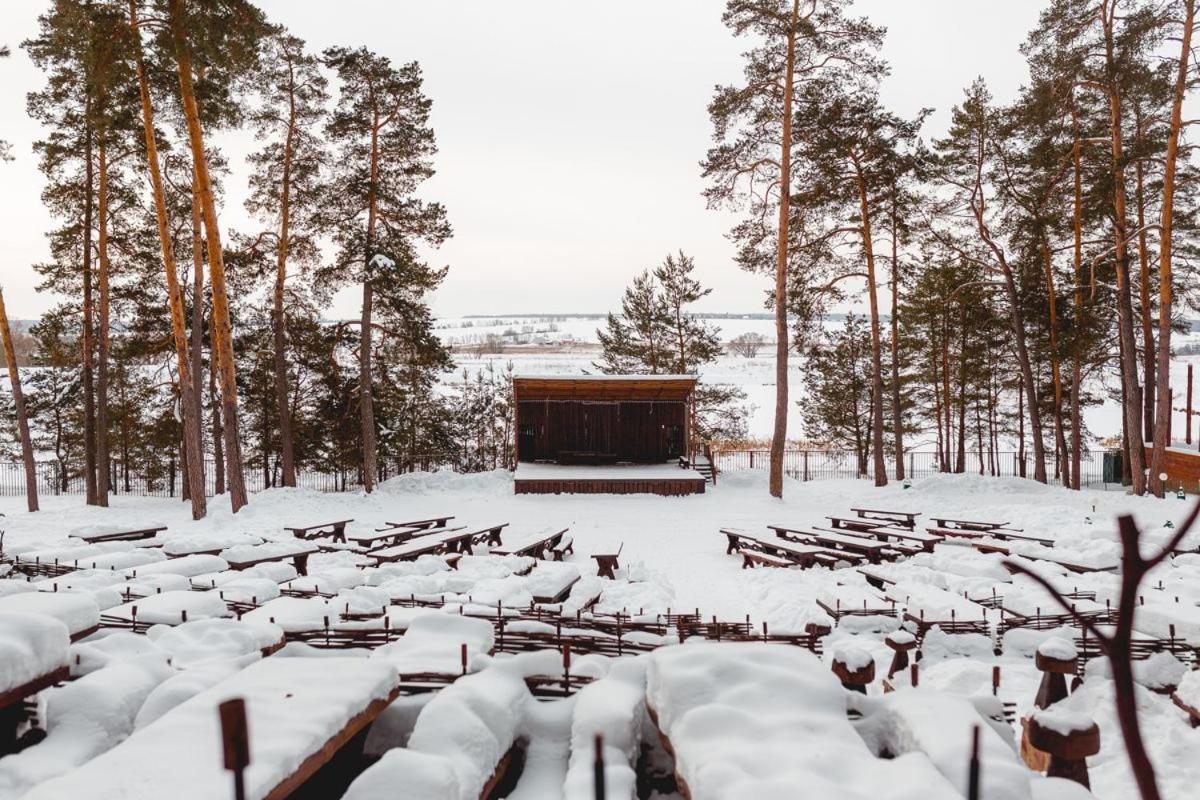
(569, 132)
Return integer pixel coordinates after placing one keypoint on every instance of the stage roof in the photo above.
(603, 387)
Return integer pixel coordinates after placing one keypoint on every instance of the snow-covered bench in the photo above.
(33, 656)
(93, 537)
(335, 530)
(300, 713)
(244, 557)
(534, 545)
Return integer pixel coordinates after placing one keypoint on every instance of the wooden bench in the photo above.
(298, 554)
(336, 530)
(752, 558)
(456, 540)
(565, 545)
(1192, 712)
(534, 547)
(801, 555)
(858, 525)
(384, 537)
(420, 524)
(12, 705)
(907, 519)
(970, 524)
(871, 549)
(925, 541)
(607, 564)
(119, 536)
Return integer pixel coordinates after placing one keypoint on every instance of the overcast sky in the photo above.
(569, 132)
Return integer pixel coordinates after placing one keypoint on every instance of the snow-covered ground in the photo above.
(673, 558)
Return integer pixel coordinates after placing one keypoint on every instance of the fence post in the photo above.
(806, 466)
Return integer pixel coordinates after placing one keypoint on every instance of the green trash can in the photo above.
(1114, 467)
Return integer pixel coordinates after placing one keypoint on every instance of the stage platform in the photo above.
(663, 479)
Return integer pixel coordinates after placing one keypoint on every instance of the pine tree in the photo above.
(19, 411)
(286, 186)
(838, 398)
(386, 148)
(751, 166)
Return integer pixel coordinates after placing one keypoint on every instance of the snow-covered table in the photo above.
(300, 712)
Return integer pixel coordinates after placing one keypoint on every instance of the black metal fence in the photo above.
(809, 465)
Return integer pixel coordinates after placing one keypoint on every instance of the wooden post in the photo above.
(598, 769)
(236, 740)
(973, 766)
(1188, 427)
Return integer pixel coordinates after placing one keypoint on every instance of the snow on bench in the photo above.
(433, 643)
(103, 534)
(462, 742)
(83, 719)
(760, 720)
(294, 614)
(77, 610)
(278, 571)
(246, 556)
(169, 608)
(535, 544)
(251, 591)
(33, 648)
(939, 725)
(299, 711)
(612, 707)
(187, 566)
(211, 543)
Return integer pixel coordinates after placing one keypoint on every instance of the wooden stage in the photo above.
(662, 479)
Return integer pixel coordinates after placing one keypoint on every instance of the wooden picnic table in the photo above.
(336, 530)
(457, 540)
(854, 524)
(925, 540)
(394, 536)
(536, 546)
(906, 518)
(968, 525)
(272, 551)
(432, 522)
(801, 555)
(119, 536)
(871, 548)
(12, 707)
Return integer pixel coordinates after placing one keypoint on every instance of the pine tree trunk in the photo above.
(1060, 442)
(1165, 275)
(897, 409)
(222, 332)
(198, 318)
(87, 341)
(1076, 346)
(191, 427)
(14, 380)
(880, 467)
(286, 448)
(1146, 315)
(218, 434)
(779, 434)
(1129, 378)
(366, 398)
(103, 463)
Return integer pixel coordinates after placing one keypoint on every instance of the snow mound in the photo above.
(496, 482)
(31, 645)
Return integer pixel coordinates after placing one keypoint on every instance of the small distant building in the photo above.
(617, 434)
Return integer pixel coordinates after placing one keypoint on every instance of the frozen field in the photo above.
(538, 338)
(673, 560)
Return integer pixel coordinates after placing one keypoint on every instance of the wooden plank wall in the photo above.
(669, 487)
(635, 431)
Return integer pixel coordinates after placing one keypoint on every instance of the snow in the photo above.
(293, 706)
(198, 642)
(31, 645)
(1062, 720)
(1189, 689)
(612, 707)
(433, 643)
(78, 611)
(171, 608)
(1058, 648)
(84, 718)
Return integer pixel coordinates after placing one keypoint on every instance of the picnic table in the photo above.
(244, 557)
(336, 530)
(456, 540)
(802, 555)
(854, 524)
(968, 524)
(119, 536)
(382, 537)
(421, 524)
(301, 712)
(906, 518)
(872, 549)
(37, 647)
(925, 541)
(535, 546)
